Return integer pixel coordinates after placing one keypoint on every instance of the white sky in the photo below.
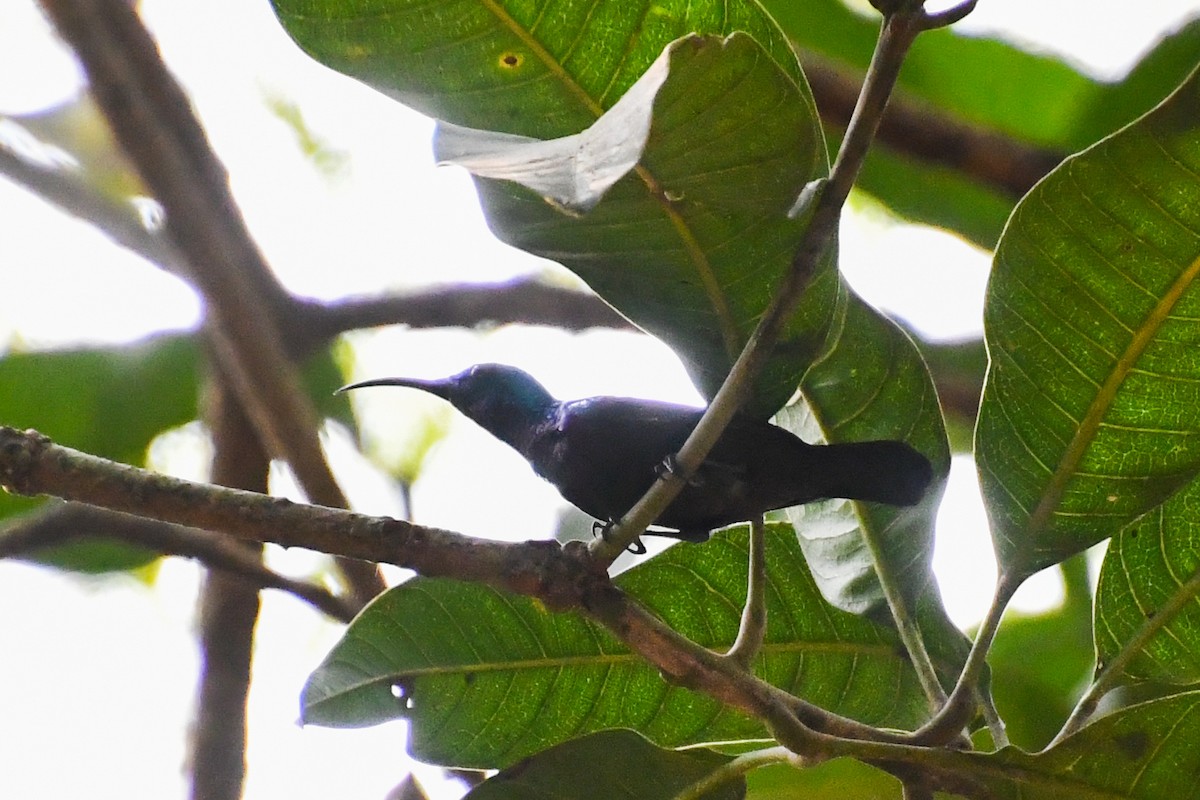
(99, 674)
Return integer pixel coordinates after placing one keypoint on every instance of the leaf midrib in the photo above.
(850, 649)
(730, 335)
(1103, 401)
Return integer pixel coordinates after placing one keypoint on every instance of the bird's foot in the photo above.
(601, 529)
(670, 466)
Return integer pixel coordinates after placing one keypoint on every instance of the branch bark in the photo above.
(62, 523)
(527, 301)
(915, 129)
(228, 612)
(152, 120)
(562, 577)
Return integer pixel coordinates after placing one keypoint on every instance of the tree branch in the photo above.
(62, 523)
(527, 301)
(228, 612)
(826, 200)
(66, 190)
(918, 130)
(753, 626)
(152, 120)
(561, 577)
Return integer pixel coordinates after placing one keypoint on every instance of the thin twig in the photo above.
(118, 220)
(736, 768)
(753, 625)
(66, 522)
(924, 132)
(527, 301)
(1155, 620)
(948, 723)
(898, 33)
(152, 120)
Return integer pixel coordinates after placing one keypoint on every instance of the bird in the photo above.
(604, 453)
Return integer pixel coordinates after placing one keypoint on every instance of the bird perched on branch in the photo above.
(603, 453)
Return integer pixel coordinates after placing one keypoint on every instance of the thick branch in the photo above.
(30, 464)
(562, 578)
(228, 613)
(152, 120)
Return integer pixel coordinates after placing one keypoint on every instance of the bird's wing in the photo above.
(603, 453)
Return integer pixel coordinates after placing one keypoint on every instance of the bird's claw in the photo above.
(670, 466)
(601, 529)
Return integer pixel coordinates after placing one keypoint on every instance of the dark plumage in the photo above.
(603, 453)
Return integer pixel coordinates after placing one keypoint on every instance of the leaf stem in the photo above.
(734, 769)
(1112, 672)
(897, 35)
(753, 626)
(908, 627)
(956, 713)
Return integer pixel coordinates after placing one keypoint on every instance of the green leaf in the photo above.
(330, 161)
(546, 70)
(74, 137)
(1145, 752)
(618, 764)
(112, 402)
(873, 384)
(836, 779)
(461, 653)
(109, 402)
(1091, 411)
(936, 195)
(1163, 68)
(1147, 595)
(322, 376)
(1042, 101)
(946, 70)
(690, 243)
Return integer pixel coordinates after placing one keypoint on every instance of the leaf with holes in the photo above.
(545, 69)
(452, 657)
(1091, 412)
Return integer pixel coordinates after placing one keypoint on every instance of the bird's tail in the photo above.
(881, 472)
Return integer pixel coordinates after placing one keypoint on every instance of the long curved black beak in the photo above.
(440, 388)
